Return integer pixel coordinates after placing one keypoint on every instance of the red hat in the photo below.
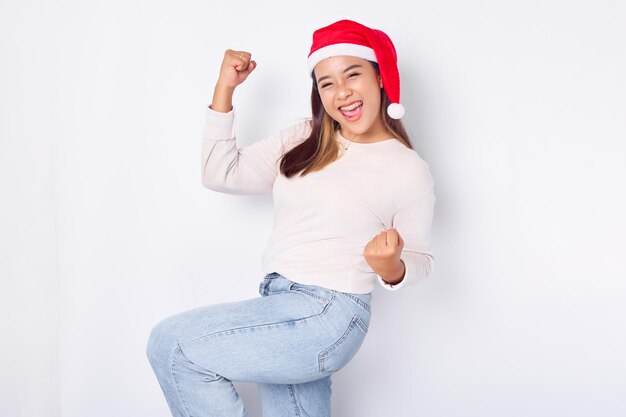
(346, 37)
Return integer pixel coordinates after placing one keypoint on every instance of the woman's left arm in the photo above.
(401, 255)
(413, 223)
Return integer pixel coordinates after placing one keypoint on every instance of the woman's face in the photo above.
(350, 91)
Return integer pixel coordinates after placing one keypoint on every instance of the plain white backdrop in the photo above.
(105, 228)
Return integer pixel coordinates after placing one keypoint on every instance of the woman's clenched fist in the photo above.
(236, 66)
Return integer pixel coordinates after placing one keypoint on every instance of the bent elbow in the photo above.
(206, 182)
(212, 184)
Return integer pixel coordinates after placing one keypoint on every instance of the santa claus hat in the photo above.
(346, 37)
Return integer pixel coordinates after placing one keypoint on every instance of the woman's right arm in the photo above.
(225, 167)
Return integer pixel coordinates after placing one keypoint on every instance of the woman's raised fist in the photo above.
(236, 67)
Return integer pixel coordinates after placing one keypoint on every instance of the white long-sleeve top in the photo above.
(324, 220)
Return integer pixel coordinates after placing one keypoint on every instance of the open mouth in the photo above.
(352, 111)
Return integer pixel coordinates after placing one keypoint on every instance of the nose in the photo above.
(344, 91)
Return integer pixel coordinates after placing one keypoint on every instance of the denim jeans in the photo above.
(289, 341)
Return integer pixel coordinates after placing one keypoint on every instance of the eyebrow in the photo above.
(346, 70)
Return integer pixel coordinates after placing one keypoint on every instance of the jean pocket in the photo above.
(362, 300)
(337, 355)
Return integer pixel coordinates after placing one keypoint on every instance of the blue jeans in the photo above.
(289, 341)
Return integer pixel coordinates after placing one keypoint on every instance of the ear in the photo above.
(380, 81)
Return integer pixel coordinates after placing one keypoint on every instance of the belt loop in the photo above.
(263, 286)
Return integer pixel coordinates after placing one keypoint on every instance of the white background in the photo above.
(519, 108)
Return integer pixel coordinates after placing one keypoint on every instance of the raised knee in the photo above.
(161, 343)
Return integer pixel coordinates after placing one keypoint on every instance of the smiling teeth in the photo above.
(351, 106)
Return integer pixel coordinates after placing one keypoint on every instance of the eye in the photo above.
(325, 85)
(353, 74)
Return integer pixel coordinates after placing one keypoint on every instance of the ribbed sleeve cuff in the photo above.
(219, 125)
(409, 275)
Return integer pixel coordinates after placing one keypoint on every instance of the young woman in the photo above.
(353, 207)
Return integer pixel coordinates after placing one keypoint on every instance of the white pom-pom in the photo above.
(395, 110)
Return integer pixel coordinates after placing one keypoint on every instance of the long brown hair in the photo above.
(320, 148)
